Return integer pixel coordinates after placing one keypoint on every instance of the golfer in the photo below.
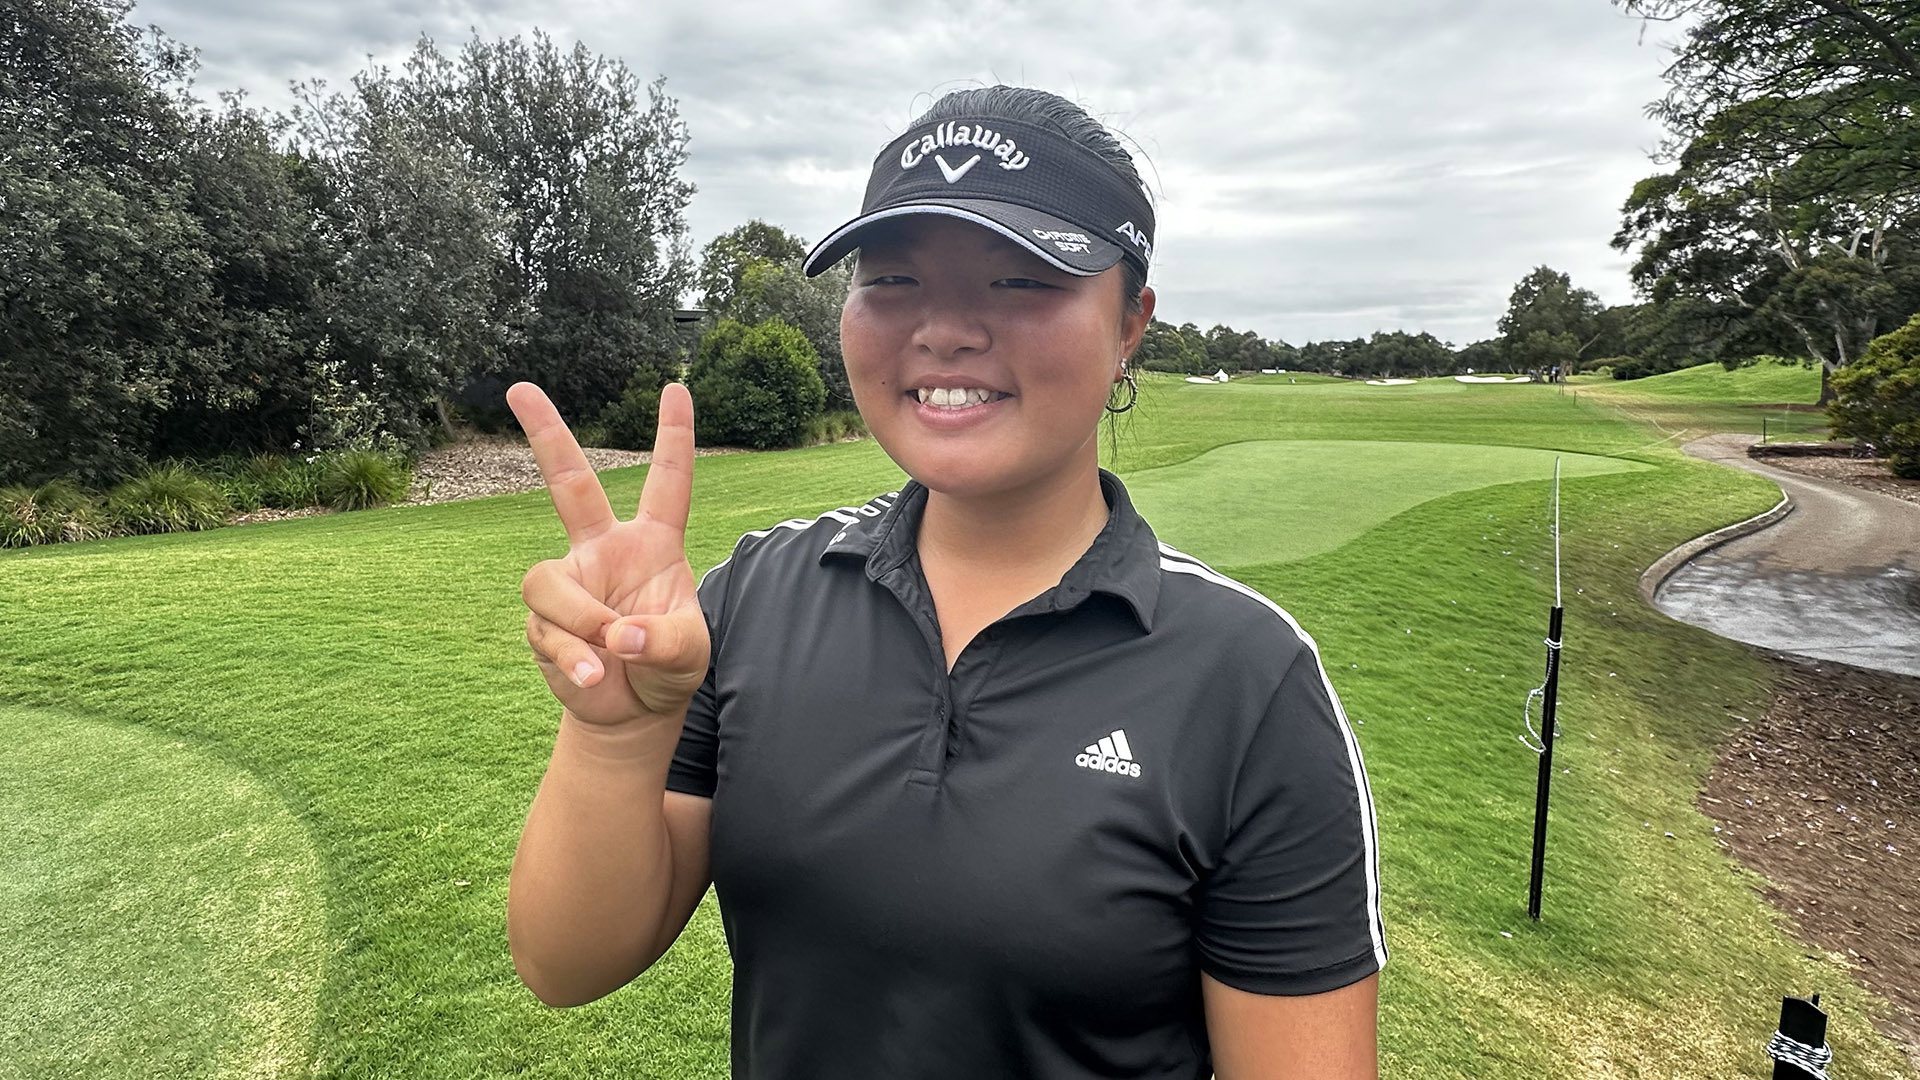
(989, 782)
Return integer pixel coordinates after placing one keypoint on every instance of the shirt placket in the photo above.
(954, 692)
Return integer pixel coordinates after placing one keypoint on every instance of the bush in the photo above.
(55, 511)
(629, 423)
(1877, 398)
(168, 498)
(756, 386)
(360, 479)
(835, 426)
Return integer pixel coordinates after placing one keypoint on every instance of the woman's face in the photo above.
(938, 302)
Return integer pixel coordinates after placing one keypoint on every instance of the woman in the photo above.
(989, 782)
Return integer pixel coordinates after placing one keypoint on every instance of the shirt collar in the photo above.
(1123, 560)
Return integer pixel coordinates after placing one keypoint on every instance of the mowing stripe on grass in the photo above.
(1276, 501)
(161, 910)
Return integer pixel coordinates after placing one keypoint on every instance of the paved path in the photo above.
(1838, 578)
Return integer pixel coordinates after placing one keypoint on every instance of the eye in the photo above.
(1023, 283)
(890, 279)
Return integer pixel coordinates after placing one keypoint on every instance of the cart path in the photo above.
(1838, 578)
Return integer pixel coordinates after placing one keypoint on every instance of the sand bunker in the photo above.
(1492, 378)
(1200, 379)
(1389, 382)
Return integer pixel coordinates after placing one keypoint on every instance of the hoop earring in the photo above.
(1133, 395)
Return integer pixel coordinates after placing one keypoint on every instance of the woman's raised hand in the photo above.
(615, 625)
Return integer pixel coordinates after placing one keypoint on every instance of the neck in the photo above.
(1041, 529)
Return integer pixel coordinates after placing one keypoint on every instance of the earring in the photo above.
(1133, 395)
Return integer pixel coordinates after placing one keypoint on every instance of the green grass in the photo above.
(369, 670)
(1289, 378)
(1768, 382)
(144, 874)
(1771, 398)
(1295, 499)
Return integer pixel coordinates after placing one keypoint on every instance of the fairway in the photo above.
(267, 781)
(159, 907)
(1293, 499)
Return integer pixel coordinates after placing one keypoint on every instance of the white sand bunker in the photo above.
(1389, 382)
(1200, 379)
(1492, 378)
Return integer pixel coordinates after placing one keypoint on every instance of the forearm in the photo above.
(592, 875)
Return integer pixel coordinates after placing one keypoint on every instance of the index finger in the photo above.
(669, 488)
(577, 495)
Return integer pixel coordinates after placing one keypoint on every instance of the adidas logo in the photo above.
(1110, 754)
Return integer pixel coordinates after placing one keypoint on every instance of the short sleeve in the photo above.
(693, 768)
(1293, 906)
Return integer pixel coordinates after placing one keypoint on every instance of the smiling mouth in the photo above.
(956, 402)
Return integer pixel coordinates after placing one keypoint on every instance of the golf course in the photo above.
(265, 782)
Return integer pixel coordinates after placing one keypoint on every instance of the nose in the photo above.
(949, 327)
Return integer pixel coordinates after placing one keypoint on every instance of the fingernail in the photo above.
(582, 671)
(629, 639)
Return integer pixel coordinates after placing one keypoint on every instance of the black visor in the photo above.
(1031, 184)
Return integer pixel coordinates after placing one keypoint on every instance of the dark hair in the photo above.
(1051, 110)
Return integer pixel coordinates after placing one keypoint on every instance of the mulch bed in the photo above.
(1821, 795)
(480, 465)
(1870, 473)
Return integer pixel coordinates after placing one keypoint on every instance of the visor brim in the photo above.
(1065, 245)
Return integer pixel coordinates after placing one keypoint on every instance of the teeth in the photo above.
(954, 397)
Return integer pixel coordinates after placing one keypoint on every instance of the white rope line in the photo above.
(1812, 1060)
(1526, 709)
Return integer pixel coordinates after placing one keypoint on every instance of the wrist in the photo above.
(647, 738)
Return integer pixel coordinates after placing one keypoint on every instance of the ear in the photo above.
(1133, 325)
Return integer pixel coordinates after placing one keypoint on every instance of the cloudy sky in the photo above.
(1321, 168)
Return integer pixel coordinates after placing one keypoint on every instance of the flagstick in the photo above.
(1552, 687)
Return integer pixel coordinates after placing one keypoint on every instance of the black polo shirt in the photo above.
(1019, 869)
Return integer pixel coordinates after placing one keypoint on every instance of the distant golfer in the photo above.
(988, 781)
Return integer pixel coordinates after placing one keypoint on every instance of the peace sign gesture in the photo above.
(615, 625)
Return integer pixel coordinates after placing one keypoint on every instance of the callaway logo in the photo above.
(1127, 230)
(952, 173)
(952, 134)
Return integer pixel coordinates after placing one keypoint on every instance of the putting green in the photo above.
(160, 913)
(1276, 501)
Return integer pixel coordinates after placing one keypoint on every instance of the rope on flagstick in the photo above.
(1812, 1060)
(1539, 743)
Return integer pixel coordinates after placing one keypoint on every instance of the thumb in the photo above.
(666, 641)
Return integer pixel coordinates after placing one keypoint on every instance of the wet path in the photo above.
(1838, 578)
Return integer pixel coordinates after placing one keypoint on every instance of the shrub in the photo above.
(168, 498)
(755, 386)
(629, 423)
(285, 483)
(1877, 398)
(359, 479)
(23, 520)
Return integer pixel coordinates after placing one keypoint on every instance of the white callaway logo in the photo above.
(952, 134)
(1111, 754)
(952, 173)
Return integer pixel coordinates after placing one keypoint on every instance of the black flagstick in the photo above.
(1551, 690)
(1799, 1048)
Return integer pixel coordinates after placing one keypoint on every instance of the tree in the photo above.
(1549, 324)
(1398, 353)
(407, 307)
(583, 165)
(105, 269)
(1878, 398)
(726, 258)
(1786, 218)
(756, 386)
(1163, 347)
(751, 273)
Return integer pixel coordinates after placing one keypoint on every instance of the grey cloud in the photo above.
(1323, 169)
